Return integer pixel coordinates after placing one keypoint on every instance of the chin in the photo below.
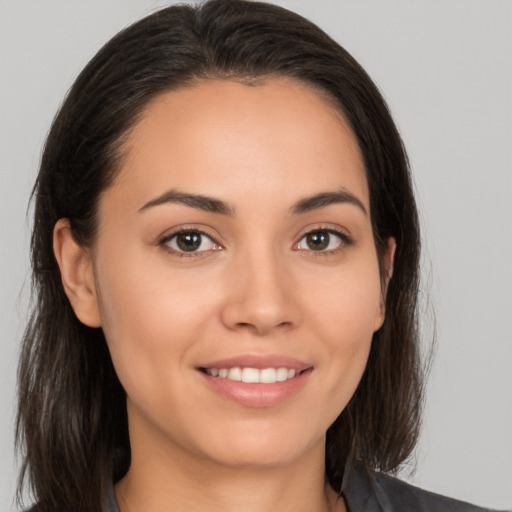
(263, 450)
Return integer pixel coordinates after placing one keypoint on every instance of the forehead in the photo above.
(229, 137)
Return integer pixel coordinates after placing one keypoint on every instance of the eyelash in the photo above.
(184, 254)
(345, 241)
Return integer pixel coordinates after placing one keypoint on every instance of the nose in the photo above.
(261, 296)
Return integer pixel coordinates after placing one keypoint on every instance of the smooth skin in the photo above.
(266, 277)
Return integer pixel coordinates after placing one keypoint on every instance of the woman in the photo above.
(225, 251)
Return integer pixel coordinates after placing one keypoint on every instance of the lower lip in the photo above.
(257, 395)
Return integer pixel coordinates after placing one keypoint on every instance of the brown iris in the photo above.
(318, 240)
(189, 241)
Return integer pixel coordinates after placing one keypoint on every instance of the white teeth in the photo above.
(235, 373)
(268, 376)
(250, 375)
(282, 374)
(253, 375)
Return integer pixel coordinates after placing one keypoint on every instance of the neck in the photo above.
(165, 478)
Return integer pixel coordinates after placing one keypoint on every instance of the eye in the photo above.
(324, 240)
(190, 241)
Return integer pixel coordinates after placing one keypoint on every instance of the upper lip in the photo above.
(259, 362)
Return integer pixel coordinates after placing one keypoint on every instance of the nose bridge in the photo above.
(261, 295)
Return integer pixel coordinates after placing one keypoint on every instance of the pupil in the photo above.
(189, 241)
(318, 240)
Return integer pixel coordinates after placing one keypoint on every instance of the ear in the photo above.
(389, 258)
(76, 270)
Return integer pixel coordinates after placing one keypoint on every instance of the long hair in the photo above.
(72, 422)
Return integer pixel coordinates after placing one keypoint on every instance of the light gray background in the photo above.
(444, 67)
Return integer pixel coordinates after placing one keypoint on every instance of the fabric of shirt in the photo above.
(368, 491)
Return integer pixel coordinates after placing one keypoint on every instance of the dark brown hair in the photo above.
(72, 423)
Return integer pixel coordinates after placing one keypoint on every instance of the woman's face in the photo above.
(237, 240)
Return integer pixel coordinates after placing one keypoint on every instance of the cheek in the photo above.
(343, 314)
(149, 317)
(346, 301)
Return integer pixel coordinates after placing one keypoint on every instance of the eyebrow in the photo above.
(213, 205)
(208, 204)
(325, 199)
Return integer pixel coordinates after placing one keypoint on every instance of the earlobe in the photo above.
(77, 274)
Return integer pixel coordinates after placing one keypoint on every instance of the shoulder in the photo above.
(368, 491)
(403, 496)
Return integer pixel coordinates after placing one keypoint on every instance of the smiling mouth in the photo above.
(254, 375)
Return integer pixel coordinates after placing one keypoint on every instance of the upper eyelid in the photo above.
(324, 227)
(342, 235)
(169, 234)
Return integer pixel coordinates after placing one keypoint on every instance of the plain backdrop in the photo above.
(445, 69)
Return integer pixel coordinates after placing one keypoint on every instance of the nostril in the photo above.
(258, 314)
